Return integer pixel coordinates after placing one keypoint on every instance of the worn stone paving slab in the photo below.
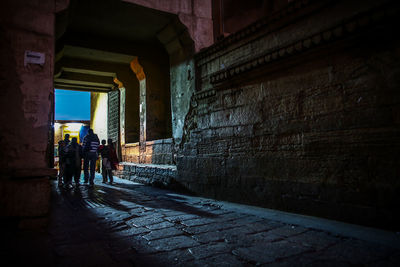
(198, 229)
(220, 260)
(172, 243)
(198, 222)
(139, 245)
(314, 239)
(133, 225)
(162, 233)
(355, 252)
(222, 235)
(261, 253)
(307, 260)
(145, 220)
(131, 231)
(160, 225)
(288, 230)
(181, 217)
(262, 226)
(210, 249)
(174, 257)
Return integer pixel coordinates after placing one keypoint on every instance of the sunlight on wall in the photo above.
(99, 107)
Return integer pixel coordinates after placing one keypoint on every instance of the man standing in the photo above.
(61, 159)
(90, 145)
(105, 163)
(113, 158)
(73, 160)
(109, 160)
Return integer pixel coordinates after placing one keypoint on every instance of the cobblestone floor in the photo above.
(128, 224)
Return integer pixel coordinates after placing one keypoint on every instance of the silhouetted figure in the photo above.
(61, 159)
(109, 160)
(113, 158)
(73, 162)
(105, 163)
(90, 145)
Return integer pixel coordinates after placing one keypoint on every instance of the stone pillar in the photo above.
(129, 100)
(138, 70)
(143, 124)
(26, 95)
(122, 115)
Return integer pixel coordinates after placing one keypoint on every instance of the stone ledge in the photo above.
(159, 166)
(160, 141)
(132, 144)
(163, 176)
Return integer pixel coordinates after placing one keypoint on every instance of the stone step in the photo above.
(149, 174)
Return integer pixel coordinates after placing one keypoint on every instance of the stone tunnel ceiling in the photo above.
(108, 31)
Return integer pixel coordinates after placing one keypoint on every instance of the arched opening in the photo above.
(130, 52)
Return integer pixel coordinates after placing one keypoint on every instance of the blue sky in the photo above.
(72, 105)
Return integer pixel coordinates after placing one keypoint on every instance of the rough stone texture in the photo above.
(182, 88)
(159, 152)
(26, 91)
(155, 152)
(150, 174)
(314, 131)
(26, 102)
(131, 153)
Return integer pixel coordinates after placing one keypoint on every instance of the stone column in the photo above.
(138, 70)
(26, 96)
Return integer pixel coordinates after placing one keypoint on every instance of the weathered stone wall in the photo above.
(26, 103)
(159, 152)
(300, 112)
(182, 88)
(156, 152)
(131, 153)
(99, 114)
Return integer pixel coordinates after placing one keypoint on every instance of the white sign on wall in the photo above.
(32, 57)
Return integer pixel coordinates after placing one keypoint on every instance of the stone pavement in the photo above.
(128, 224)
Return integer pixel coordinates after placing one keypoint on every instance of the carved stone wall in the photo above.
(300, 112)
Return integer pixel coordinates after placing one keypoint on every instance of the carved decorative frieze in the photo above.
(204, 94)
(268, 24)
(346, 29)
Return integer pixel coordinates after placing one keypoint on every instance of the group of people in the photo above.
(71, 154)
